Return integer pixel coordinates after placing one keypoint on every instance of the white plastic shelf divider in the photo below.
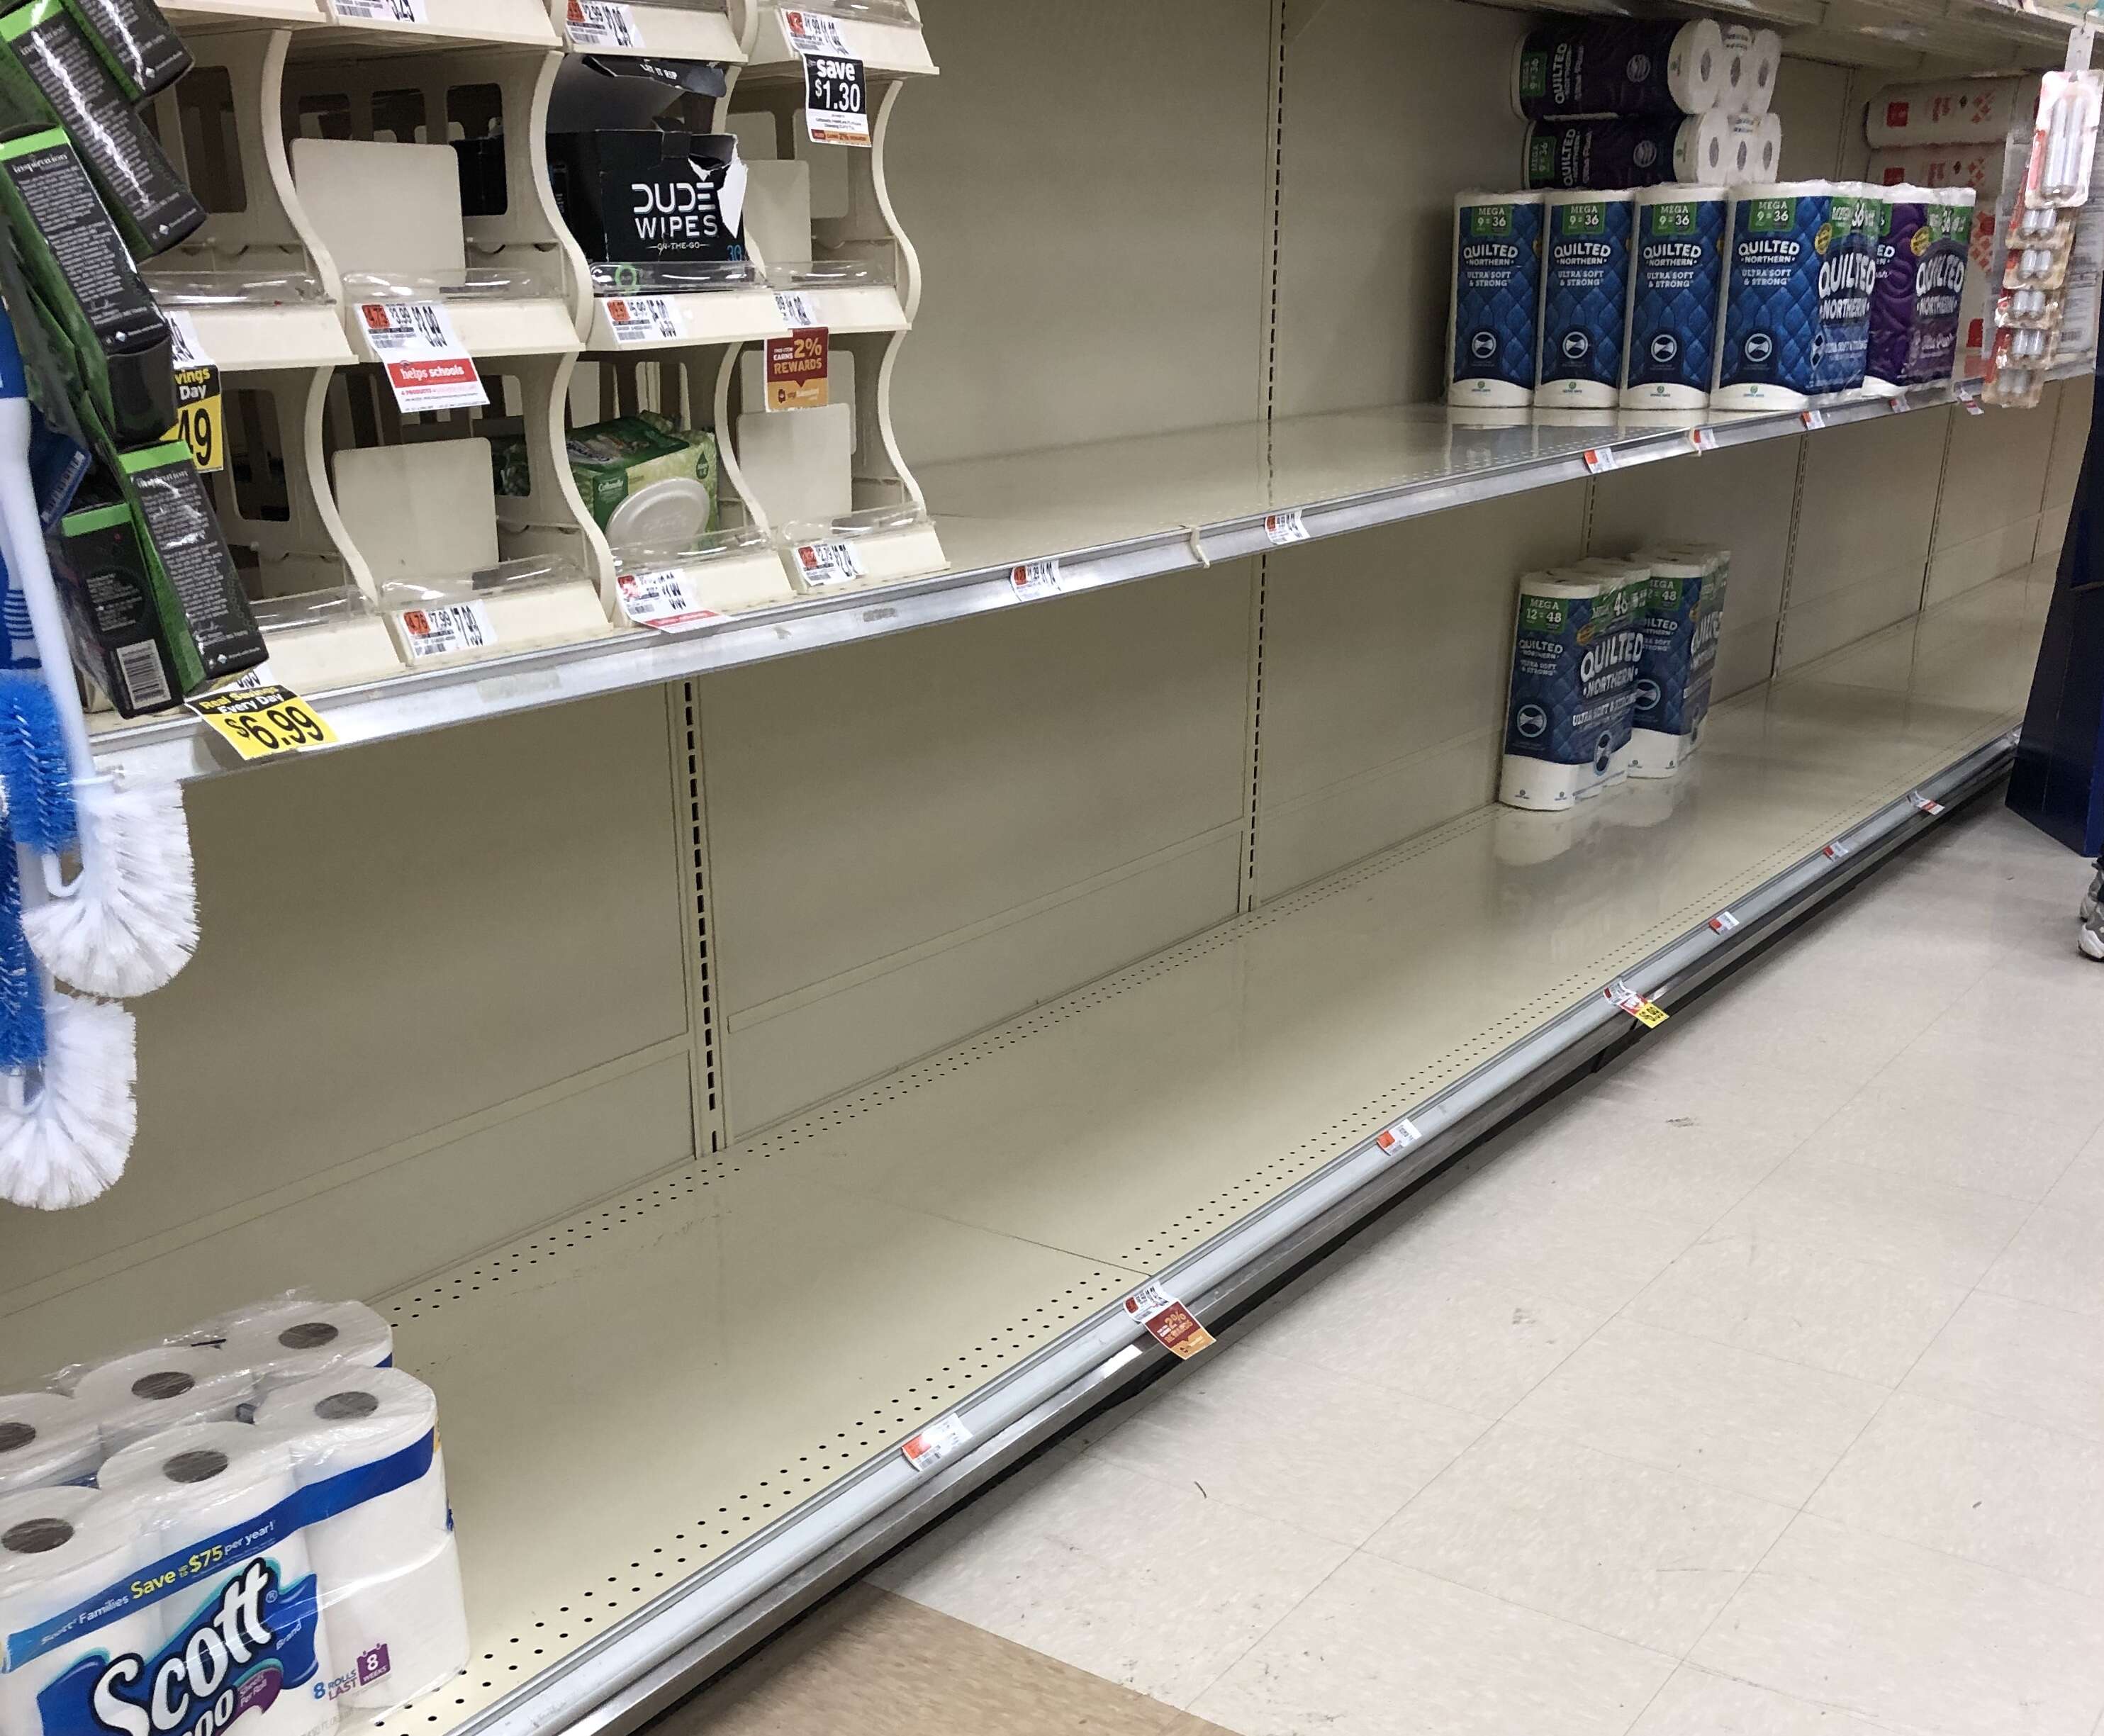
(213, 14)
(1105, 515)
(1037, 1170)
(243, 339)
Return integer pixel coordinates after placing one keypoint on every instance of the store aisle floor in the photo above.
(1756, 1385)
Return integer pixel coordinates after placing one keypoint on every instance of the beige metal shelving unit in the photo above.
(727, 1052)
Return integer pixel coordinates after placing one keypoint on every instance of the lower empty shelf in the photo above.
(629, 1395)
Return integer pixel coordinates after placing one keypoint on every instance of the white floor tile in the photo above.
(1960, 1061)
(1959, 1140)
(1765, 1428)
(1646, 1554)
(1474, 1339)
(1696, 1703)
(2081, 1186)
(1329, 1453)
(2005, 1494)
(2020, 1361)
(1949, 1235)
(1802, 1304)
(2057, 1259)
(1380, 1651)
(1892, 1631)
(1144, 1583)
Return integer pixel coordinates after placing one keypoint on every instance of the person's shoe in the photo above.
(2092, 937)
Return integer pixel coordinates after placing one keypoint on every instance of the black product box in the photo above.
(103, 581)
(645, 197)
(137, 43)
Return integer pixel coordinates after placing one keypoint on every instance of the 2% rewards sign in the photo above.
(264, 722)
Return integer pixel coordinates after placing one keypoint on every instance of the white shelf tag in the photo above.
(836, 100)
(813, 32)
(1973, 407)
(1034, 579)
(644, 319)
(1896, 403)
(1283, 528)
(1702, 439)
(602, 24)
(1599, 458)
(662, 599)
(1836, 851)
(797, 313)
(938, 1441)
(1927, 804)
(1645, 1011)
(445, 627)
(1723, 922)
(426, 364)
(1396, 1134)
(1172, 1325)
(380, 11)
(1813, 418)
(823, 564)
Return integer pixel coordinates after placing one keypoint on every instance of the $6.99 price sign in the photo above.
(260, 721)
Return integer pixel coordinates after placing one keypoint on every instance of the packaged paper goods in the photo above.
(46, 1439)
(1576, 654)
(286, 1576)
(1619, 66)
(1681, 618)
(1951, 111)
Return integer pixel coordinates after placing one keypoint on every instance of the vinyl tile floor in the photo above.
(1754, 1387)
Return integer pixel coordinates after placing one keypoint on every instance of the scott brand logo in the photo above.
(194, 1689)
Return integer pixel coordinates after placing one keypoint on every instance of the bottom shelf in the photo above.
(628, 1395)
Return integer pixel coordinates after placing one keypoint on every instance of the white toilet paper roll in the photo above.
(1764, 65)
(1976, 111)
(285, 1342)
(134, 1396)
(58, 1548)
(1737, 82)
(1758, 139)
(390, 1575)
(46, 1437)
(1707, 153)
(190, 1485)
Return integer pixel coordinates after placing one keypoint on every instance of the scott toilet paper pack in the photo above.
(272, 1577)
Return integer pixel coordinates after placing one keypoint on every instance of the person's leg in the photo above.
(2092, 937)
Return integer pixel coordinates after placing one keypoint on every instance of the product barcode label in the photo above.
(663, 599)
(1897, 402)
(795, 307)
(1836, 851)
(1973, 407)
(1034, 579)
(1645, 1011)
(381, 12)
(644, 319)
(1283, 528)
(1811, 418)
(1599, 458)
(1723, 922)
(146, 681)
(1702, 439)
(426, 364)
(444, 628)
(1397, 1134)
(601, 24)
(185, 348)
(1171, 1323)
(813, 32)
(836, 100)
(823, 564)
(1925, 803)
(935, 1443)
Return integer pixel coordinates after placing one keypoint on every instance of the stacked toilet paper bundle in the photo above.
(1611, 665)
(1617, 102)
(284, 1574)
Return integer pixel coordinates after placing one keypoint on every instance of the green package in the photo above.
(87, 283)
(106, 584)
(611, 461)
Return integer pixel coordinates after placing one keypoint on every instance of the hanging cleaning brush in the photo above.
(67, 1116)
(126, 922)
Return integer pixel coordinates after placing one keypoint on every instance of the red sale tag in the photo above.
(427, 366)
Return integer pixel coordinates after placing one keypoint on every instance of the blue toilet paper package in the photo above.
(1673, 675)
(1585, 305)
(1575, 656)
(1495, 335)
(1679, 270)
(1797, 300)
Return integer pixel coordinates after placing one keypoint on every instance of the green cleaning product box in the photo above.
(646, 481)
(99, 559)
